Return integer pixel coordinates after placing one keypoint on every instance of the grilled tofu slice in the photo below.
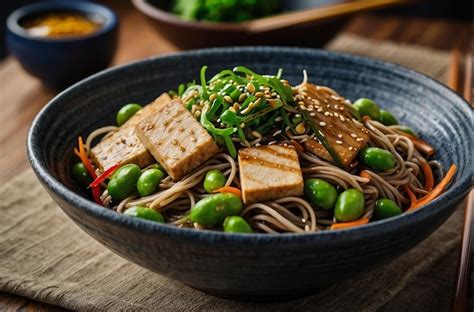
(345, 134)
(269, 172)
(176, 139)
(123, 146)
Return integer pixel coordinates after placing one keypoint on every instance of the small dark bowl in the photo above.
(59, 62)
(258, 266)
(311, 24)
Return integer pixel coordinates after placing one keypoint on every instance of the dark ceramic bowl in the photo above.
(59, 62)
(257, 266)
(301, 23)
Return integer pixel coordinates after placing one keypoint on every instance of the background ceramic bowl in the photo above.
(59, 62)
(302, 22)
(259, 266)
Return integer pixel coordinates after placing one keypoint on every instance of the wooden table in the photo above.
(23, 96)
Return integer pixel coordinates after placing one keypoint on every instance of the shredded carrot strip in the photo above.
(104, 175)
(428, 173)
(81, 153)
(364, 174)
(229, 189)
(436, 191)
(420, 145)
(412, 196)
(346, 225)
(297, 146)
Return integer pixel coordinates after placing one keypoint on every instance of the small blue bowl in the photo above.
(257, 266)
(59, 62)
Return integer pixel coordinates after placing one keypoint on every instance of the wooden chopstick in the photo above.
(460, 296)
(468, 78)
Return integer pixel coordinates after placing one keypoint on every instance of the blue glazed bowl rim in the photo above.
(110, 23)
(454, 192)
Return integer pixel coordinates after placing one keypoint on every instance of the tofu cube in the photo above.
(176, 139)
(123, 146)
(269, 172)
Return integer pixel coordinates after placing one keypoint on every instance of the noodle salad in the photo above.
(243, 152)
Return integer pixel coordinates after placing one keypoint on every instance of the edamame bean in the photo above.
(367, 107)
(387, 118)
(377, 158)
(148, 181)
(81, 175)
(214, 180)
(126, 112)
(236, 224)
(350, 205)
(144, 213)
(386, 208)
(159, 167)
(320, 193)
(123, 182)
(408, 130)
(212, 210)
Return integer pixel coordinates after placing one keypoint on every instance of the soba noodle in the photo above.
(174, 199)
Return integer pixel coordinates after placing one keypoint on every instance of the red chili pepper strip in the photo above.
(104, 175)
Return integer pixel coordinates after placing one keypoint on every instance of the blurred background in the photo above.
(450, 10)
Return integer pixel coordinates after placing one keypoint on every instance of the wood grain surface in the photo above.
(23, 96)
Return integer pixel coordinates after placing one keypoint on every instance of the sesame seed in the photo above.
(301, 103)
(353, 135)
(212, 97)
(272, 142)
(326, 113)
(259, 94)
(322, 124)
(242, 125)
(174, 142)
(278, 119)
(319, 110)
(338, 142)
(300, 129)
(312, 114)
(339, 136)
(342, 118)
(336, 114)
(228, 99)
(193, 139)
(182, 148)
(351, 148)
(277, 132)
(359, 139)
(258, 144)
(250, 87)
(242, 97)
(297, 115)
(236, 106)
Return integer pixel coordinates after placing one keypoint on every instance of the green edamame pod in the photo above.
(214, 180)
(236, 224)
(81, 175)
(123, 182)
(144, 213)
(367, 107)
(212, 210)
(126, 112)
(377, 158)
(320, 193)
(387, 118)
(386, 208)
(148, 181)
(350, 205)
